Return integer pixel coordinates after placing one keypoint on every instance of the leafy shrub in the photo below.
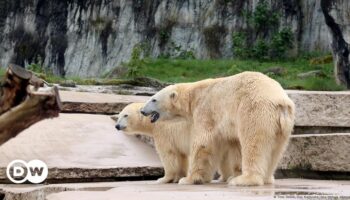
(261, 40)
(263, 17)
(35, 67)
(281, 42)
(239, 44)
(134, 64)
(265, 49)
(260, 50)
(177, 52)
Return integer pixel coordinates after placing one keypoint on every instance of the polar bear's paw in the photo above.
(270, 180)
(247, 180)
(191, 181)
(164, 180)
(185, 181)
(223, 179)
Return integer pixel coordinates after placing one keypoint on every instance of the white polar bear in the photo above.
(249, 108)
(172, 140)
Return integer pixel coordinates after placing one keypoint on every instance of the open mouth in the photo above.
(154, 117)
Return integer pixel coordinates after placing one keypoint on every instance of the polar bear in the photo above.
(172, 140)
(249, 108)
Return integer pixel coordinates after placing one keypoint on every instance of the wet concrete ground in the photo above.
(282, 189)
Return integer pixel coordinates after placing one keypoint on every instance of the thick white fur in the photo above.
(249, 109)
(172, 140)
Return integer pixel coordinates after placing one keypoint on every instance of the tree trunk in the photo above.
(340, 47)
(24, 102)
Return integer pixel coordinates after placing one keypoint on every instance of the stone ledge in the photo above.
(323, 152)
(84, 102)
(97, 174)
(316, 152)
(313, 109)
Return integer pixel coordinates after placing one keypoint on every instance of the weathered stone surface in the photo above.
(78, 146)
(112, 89)
(317, 152)
(324, 152)
(315, 108)
(313, 73)
(84, 102)
(319, 130)
(277, 70)
(92, 38)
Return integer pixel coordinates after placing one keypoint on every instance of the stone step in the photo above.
(82, 147)
(320, 152)
(136, 190)
(97, 103)
(313, 108)
(311, 152)
(325, 109)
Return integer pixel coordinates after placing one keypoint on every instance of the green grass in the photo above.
(2, 72)
(175, 71)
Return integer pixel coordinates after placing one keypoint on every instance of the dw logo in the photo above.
(35, 171)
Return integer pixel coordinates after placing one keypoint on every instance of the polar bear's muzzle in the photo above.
(154, 116)
(120, 127)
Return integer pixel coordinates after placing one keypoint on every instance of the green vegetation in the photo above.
(2, 72)
(287, 72)
(262, 39)
(170, 70)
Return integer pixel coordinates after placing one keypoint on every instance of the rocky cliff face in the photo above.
(90, 37)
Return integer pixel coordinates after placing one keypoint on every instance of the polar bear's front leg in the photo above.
(172, 162)
(202, 164)
(231, 162)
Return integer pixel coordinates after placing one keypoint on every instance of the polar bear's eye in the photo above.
(125, 115)
(153, 100)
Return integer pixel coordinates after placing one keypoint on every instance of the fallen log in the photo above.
(24, 101)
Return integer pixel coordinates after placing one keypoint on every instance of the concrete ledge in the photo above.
(313, 108)
(316, 152)
(323, 152)
(83, 102)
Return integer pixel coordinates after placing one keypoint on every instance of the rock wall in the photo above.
(88, 38)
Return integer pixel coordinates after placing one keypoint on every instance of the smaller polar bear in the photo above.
(172, 140)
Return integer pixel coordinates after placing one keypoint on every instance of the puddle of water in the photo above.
(300, 187)
(98, 189)
(300, 193)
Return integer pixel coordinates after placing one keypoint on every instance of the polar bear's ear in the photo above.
(115, 117)
(173, 95)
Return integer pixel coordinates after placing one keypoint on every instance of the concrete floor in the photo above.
(282, 189)
(88, 143)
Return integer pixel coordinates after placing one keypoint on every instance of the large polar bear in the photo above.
(249, 108)
(172, 139)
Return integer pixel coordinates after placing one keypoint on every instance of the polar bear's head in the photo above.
(163, 105)
(130, 121)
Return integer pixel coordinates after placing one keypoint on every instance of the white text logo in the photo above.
(35, 171)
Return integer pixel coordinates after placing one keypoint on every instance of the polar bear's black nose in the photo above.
(143, 112)
(117, 127)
